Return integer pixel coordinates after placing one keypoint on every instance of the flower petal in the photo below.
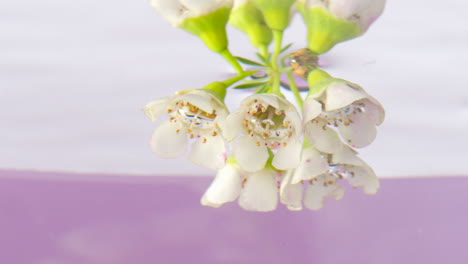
(209, 152)
(225, 187)
(249, 156)
(170, 10)
(233, 125)
(360, 133)
(260, 192)
(346, 155)
(289, 156)
(200, 99)
(364, 176)
(312, 164)
(166, 142)
(318, 191)
(374, 111)
(341, 94)
(323, 137)
(291, 194)
(311, 109)
(155, 108)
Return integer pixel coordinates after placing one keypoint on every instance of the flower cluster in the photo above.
(295, 154)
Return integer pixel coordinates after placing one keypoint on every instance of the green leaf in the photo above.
(286, 47)
(266, 61)
(249, 62)
(249, 85)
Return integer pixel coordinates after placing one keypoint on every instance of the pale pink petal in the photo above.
(342, 94)
(166, 142)
(360, 133)
(249, 156)
(322, 137)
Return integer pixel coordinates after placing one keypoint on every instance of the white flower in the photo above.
(321, 178)
(345, 106)
(266, 121)
(177, 11)
(193, 113)
(256, 191)
(362, 12)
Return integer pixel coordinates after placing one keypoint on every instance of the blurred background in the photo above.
(74, 76)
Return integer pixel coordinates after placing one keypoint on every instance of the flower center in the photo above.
(196, 121)
(268, 124)
(343, 115)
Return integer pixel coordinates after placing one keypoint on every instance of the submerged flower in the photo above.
(196, 114)
(257, 191)
(266, 122)
(341, 105)
(312, 186)
(207, 18)
(333, 21)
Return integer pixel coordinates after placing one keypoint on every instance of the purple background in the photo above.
(63, 218)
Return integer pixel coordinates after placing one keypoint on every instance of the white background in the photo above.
(75, 74)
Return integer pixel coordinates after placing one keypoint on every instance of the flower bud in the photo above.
(277, 13)
(206, 19)
(246, 17)
(334, 21)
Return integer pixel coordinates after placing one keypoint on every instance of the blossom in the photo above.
(312, 186)
(266, 122)
(257, 191)
(206, 19)
(344, 106)
(334, 21)
(197, 114)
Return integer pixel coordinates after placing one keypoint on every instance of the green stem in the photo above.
(278, 39)
(295, 90)
(230, 58)
(230, 81)
(264, 51)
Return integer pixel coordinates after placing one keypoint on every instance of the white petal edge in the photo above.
(225, 187)
(291, 194)
(166, 142)
(342, 94)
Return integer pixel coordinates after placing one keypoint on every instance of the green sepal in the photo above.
(277, 13)
(231, 159)
(269, 163)
(217, 89)
(325, 30)
(318, 80)
(211, 28)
